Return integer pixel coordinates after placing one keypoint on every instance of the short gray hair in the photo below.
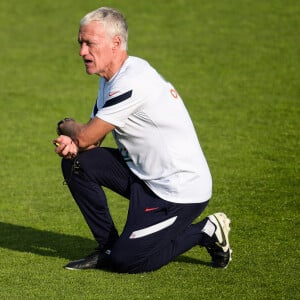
(114, 22)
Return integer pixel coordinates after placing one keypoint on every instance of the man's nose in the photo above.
(83, 49)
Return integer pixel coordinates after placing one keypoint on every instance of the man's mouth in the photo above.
(87, 61)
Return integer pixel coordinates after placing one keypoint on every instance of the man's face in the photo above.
(95, 48)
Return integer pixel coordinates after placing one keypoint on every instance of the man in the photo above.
(159, 165)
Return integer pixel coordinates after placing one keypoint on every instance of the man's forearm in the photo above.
(71, 128)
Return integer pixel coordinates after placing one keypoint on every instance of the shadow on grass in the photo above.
(42, 242)
(191, 260)
(48, 243)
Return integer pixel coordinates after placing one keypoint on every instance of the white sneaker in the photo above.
(220, 251)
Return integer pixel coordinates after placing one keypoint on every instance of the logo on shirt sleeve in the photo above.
(118, 99)
(112, 93)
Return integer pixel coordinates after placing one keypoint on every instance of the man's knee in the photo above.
(67, 166)
(86, 162)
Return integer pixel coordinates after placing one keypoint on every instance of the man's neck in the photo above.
(116, 66)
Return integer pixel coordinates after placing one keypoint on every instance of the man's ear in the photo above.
(117, 42)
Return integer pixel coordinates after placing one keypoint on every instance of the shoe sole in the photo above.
(224, 224)
(72, 269)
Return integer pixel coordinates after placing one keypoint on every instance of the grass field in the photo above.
(236, 64)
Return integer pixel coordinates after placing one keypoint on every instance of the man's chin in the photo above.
(89, 71)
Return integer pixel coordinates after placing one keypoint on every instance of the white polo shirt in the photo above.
(154, 132)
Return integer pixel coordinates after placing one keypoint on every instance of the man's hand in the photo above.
(84, 136)
(69, 127)
(65, 147)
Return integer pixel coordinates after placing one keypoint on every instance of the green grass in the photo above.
(236, 65)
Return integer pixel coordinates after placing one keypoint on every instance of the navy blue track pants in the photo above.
(156, 231)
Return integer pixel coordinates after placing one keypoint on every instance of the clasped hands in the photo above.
(65, 146)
